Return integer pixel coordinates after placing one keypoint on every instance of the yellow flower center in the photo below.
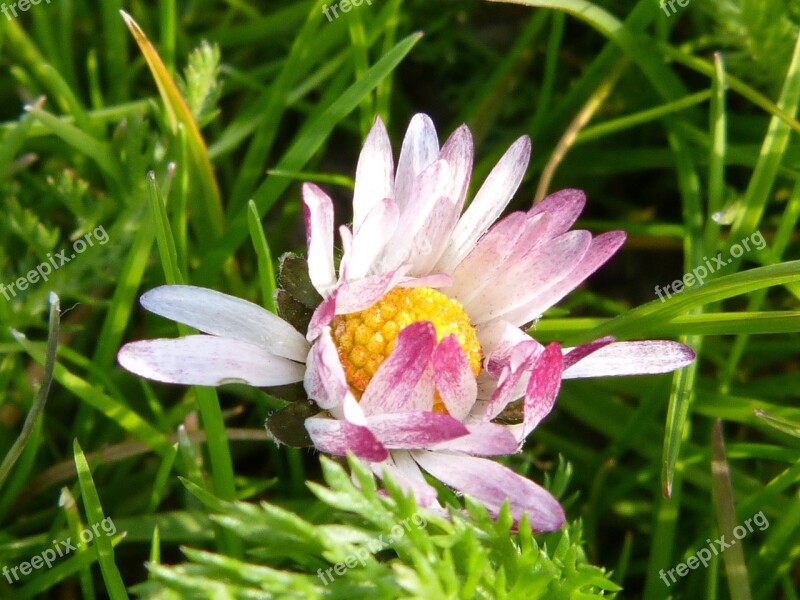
(364, 339)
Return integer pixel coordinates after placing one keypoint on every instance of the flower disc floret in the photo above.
(365, 339)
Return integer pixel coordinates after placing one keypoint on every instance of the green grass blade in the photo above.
(41, 397)
(735, 567)
(266, 269)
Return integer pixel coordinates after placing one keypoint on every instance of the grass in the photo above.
(185, 128)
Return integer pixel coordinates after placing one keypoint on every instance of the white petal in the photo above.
(207, 360)
(488, 204)
(220, 314)
(370, 239)
(374, 173)
(632, 358)
(420, 148)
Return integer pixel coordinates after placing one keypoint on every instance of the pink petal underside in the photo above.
(226, 316)
(374, 173)
(488, 204)
(484, 439)
(488, 254)
(207, 360)
(325, 381)
(564, 207)
(632, 358)
(318, 214)
(512, 380)
(370, 238)
(414, 430)
(578, 353)
(391, 389)
(405, 471)
(454, 378)
(409, 240)
(600, 250)
(423, 395)
(492, 484)
(334, 436)
(498, 340)
(525, 278)
(543, 385)
(420, 148)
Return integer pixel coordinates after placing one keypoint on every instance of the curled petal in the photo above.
(325, 381)
(318, 214)
(540, 395)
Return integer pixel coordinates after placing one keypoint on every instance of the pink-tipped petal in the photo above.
(527, 277)
(226, 316)
(454, 378)
(600, 250)
(207, 360)
(488, 204)
(484, 439)
(414, 430)
(493, 484)
(374, 173)
(392, 387)
(347, 253)
(564, 206)
(487, 256)
(420, 148)
(632, 358)
(318, 214)
(334, 436)
(325, 381)
(543, 385)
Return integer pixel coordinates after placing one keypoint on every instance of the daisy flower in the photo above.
(416, 347)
